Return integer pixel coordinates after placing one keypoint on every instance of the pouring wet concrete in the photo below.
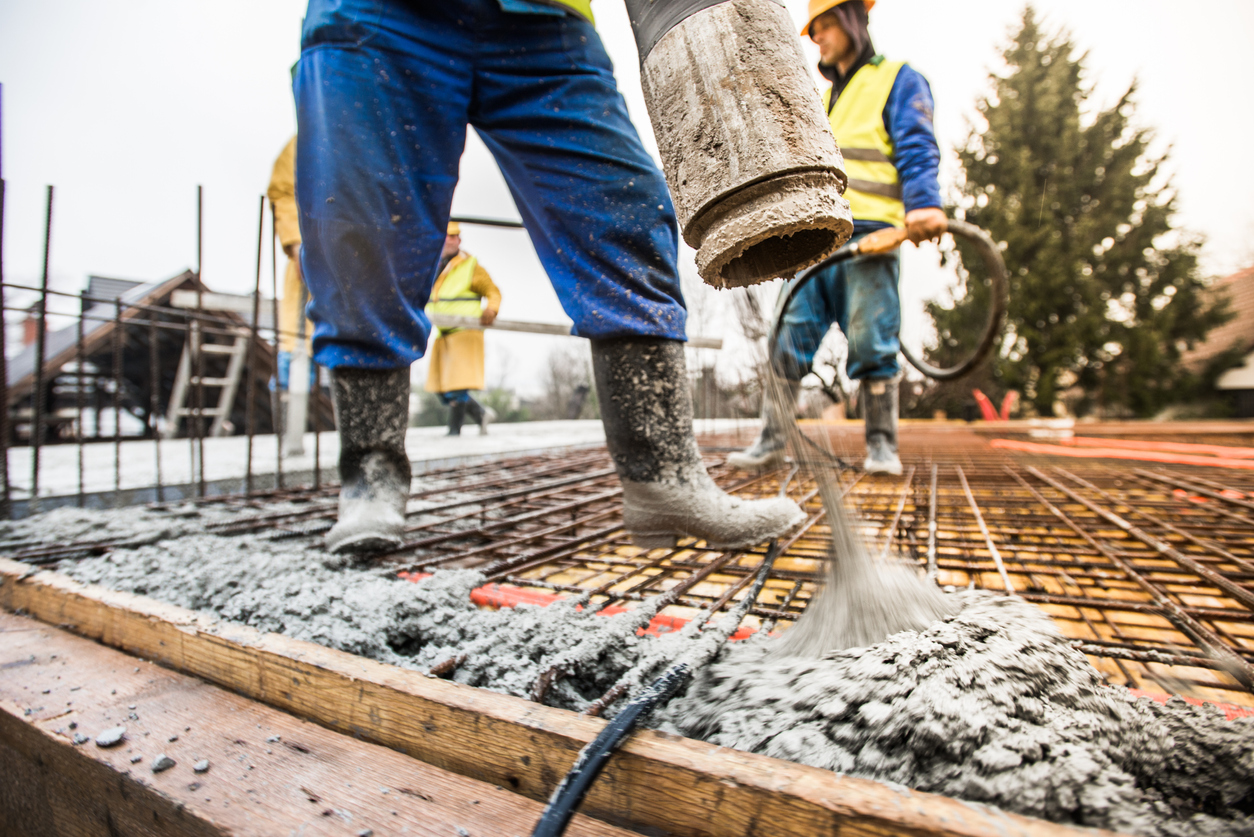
(988, 704)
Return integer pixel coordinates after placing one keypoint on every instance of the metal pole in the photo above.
(6, 504)
(276, 402)
(317, 373)
(154, 397)
(197, 359)
(37, 394)
(117, 402)
(79, 394)
(250, 390)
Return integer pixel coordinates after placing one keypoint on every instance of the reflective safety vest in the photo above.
(857, 120)
(583, 8)
(453, 295)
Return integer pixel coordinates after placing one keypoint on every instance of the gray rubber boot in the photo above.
(372, 413)
(456, 417)
(480, 415)
(772, 443)
(642, 386)
(879, 405)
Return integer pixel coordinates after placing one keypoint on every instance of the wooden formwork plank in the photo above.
(656, 781)
(268, 773)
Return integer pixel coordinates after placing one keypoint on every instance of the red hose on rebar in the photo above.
(497, 596)
(1116, 453)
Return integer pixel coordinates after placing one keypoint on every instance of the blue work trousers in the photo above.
(861, 297)
(384, 92)
(456, 396)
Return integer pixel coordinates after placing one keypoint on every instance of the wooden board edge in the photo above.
(682, 786)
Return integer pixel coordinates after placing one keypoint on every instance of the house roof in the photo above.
(60, 346)
(1239, 331)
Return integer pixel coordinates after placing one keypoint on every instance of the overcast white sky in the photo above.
(126, 106)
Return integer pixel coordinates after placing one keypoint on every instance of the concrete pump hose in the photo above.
(999, 296)
(756, 176)
(886, 240)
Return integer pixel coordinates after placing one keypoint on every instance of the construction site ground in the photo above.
(1137, 539)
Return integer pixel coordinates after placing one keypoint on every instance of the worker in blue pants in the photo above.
(881, 112)
(385, 90)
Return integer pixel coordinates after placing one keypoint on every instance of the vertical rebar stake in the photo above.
(79, 402)
(276, 402)
(154, 397)
(197, 355)
(250, 390)
(6, 503)
(317, 426)
(37, 394)
(117, 402)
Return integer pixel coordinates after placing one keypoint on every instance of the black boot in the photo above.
(456, 417)
(372, 413)
(642, 385)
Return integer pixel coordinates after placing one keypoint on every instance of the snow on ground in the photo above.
(225, 458)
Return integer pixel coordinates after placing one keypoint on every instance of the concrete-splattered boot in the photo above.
(772, 443)
(642, 386)
(879, 406)
(372, 413)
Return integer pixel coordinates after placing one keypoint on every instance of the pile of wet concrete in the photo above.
(989, 704)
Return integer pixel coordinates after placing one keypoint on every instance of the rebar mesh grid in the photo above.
(1150, 570)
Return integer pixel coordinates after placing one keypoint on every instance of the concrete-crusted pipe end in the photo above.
(772, 229)
(745, 145)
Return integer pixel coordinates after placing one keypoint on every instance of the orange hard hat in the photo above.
(817, 7)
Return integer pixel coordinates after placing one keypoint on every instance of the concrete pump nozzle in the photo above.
(746, 148)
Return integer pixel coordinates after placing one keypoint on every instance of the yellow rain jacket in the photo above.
(282, 195)
(456, 357)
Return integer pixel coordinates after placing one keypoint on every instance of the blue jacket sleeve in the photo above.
(908, 118)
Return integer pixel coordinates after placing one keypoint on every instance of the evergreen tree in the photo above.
(1105, 293)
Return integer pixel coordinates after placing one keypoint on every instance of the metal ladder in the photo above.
(184, 381)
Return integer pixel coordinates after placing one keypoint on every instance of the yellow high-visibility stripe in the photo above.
(583, 8)
(857, 120)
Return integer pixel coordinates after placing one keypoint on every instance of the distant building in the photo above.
(1238, 333)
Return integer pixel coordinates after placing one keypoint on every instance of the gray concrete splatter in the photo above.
(989, 704)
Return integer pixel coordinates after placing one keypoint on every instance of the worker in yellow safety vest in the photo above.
(456, 359)
(881, 114)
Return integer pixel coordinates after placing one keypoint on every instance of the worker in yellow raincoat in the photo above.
(282, 195)
(462, 289)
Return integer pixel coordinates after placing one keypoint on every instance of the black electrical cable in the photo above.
(593, 758)
(999, 292)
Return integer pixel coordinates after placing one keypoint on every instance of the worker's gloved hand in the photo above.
(292, 251)
(487, 317)
(925, 224)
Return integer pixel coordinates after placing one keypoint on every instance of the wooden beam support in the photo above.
(656, 781)
(268, 773)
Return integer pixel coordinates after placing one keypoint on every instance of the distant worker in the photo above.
(456, 365)
(294, 330)
(881, 114)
